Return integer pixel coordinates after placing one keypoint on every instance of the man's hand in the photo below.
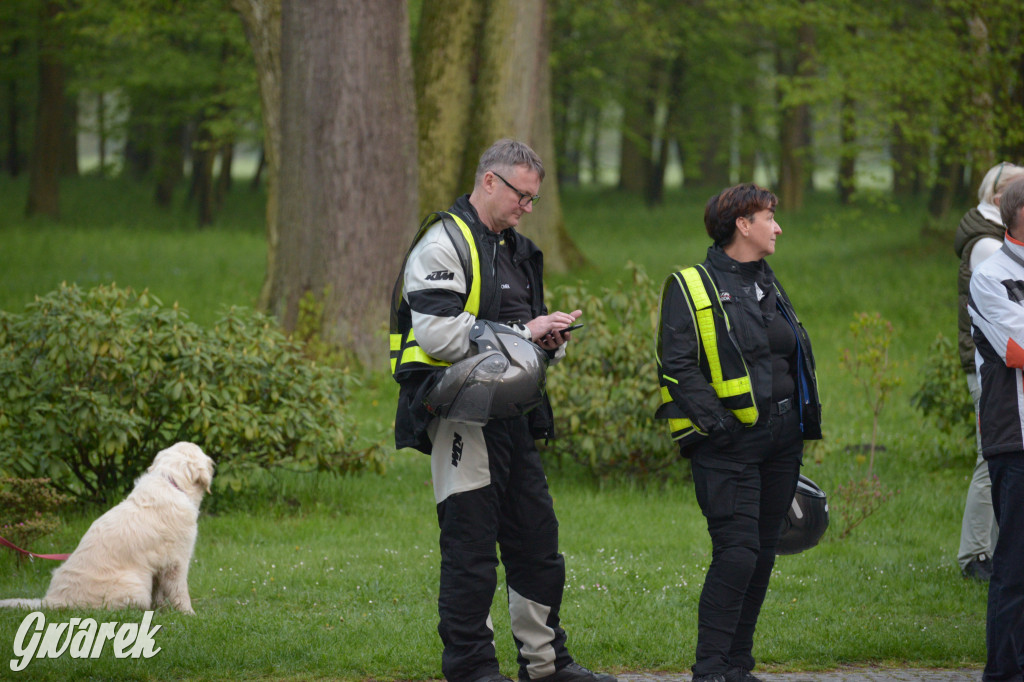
(546, 329)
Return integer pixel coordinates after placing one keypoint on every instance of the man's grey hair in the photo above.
(504, 155)
(1010, 207)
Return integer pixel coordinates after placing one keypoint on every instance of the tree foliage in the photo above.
(28, 509)
(928, 87)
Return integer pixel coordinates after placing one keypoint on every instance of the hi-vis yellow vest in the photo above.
(406, 354)
(718, 355)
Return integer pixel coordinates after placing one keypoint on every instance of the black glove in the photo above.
(724, 432)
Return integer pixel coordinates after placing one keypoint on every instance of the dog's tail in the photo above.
(21, 603)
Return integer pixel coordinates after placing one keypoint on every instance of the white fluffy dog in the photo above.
(138, 553)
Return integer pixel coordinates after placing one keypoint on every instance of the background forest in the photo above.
(278, 155)
(361, 117)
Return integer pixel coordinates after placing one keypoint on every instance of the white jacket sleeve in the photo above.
(997, 316)
(435, 288)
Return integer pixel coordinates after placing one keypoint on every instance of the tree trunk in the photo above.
(506, 93)
(348, 165)
(69, 139)
(637, 124)
(792, 160)
(714, 158)
(940, 200)
(845, 178)
(257, 177)
(262, 22)
(138, 147)
(982, 155)
(632, 151)
(101, 132)
(749, 142)
(447, 53)
(594, 121)
(170, 160)
(44, 164)
(13, 155)
(794, 129)
(514, 100)
(203, 154)
(223, 184)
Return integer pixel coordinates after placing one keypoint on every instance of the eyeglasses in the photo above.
(524, 198)
(995, 183)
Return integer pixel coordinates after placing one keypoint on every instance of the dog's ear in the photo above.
(204, 477)
(200, 470)
(197, 467)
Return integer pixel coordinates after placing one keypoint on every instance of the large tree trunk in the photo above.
(262, 21)
(447, 51)
(348, 165)
(44, 164)
(491, 59)
(513, 99)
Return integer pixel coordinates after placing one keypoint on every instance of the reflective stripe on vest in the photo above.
(736, 392)
(406, 352)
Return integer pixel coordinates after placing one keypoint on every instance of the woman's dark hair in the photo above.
(724, 208)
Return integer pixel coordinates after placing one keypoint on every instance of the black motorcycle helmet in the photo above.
(807, 518)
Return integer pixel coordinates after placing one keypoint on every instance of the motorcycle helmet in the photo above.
(505, 378)
(807, 518)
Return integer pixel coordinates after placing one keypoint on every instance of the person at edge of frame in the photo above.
(489, 483)
(978, 236)
(742, 423)
(996, 306)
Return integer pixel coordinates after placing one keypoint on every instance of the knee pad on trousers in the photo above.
(737, 560)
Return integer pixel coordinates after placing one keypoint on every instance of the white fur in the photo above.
(138, 553)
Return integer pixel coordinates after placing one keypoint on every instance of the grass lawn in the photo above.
(336, 578)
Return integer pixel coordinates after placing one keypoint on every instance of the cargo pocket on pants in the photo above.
(715, 481)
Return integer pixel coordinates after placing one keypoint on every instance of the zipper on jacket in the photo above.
(803, 397)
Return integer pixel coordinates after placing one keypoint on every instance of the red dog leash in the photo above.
(54, 557)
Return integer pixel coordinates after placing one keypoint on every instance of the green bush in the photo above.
(868, 362)
(605, 391)
(97, 382)
(28, 509)
(943, 394)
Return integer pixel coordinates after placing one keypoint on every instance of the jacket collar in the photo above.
(1014, 247)
(990, 212)
(521, 246)
(468, 213)
(758, 271)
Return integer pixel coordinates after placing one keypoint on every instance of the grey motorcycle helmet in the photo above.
(807, 518)
(505, 378)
